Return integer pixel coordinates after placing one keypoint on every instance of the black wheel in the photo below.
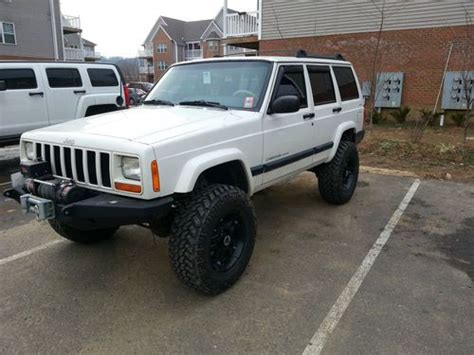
(82, 237)
(337, 180)
(212, 238)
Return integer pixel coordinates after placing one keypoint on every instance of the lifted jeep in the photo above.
(210, 135)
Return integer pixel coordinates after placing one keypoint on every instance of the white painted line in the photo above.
(5, 183)
(29, 252)
(320, 338)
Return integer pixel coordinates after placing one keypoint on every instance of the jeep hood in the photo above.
(146, 124)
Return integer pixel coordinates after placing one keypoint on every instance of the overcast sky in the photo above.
(120, 27)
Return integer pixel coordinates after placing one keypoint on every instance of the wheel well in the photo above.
(231, 173)
(98, 109)
(349, 135)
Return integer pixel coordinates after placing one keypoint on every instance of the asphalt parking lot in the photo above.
(121, 296)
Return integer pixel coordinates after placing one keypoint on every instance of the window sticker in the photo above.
(249, 101)
(206, 77)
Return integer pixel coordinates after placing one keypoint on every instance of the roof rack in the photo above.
(301, 53)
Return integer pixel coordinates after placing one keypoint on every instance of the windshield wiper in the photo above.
(204, 103)
(158, 102)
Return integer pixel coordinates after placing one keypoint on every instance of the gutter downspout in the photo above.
(53, 28)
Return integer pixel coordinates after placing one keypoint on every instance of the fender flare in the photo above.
(197, 165)
(337, 137)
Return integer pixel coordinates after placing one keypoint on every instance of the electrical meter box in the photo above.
(454, 94)
(388, 92)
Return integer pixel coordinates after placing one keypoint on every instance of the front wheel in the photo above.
(82, 237)
(337, 180)
(212, 238)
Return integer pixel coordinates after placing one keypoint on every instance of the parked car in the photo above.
(39, 94)
(141, 85)
(136, 96)
(209, 135)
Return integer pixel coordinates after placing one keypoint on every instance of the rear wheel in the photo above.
(212, 238)
(82, 237)
(338, 179)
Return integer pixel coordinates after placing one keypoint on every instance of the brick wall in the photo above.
(168, 57)
(420, 53)
(207, 53)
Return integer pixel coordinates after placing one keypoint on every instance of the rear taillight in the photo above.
(126, 95)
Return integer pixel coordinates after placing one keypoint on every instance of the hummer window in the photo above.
(19, 79)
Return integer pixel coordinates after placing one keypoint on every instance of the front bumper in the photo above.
(97, 212)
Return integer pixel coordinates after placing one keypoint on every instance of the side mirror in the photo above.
(3, 85)
(286, 104)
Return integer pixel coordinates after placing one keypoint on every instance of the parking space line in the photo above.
(5, 183)
(320, 338)
(29, 252)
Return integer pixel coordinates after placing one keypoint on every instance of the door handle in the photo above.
(337, 109)
(309, 116)
(80, 91)
(36, 94)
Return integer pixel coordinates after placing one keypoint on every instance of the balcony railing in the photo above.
(242, 24)
(146, 70)
(74, 54)
(147, 53)
(90, 54)
(192, 54)
(72, 22)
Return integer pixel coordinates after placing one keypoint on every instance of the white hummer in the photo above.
(210, 135)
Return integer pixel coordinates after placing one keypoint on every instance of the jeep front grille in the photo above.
(86, 166)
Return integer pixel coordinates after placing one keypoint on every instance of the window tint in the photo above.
(102, 77)
(64, 77)
(18, 79)
(322, 85)
(346, 82)
(292, 83)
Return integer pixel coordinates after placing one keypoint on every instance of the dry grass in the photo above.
(439, 155)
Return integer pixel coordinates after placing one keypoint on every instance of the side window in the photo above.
(102, 77)
(292, 83)
(346, 83)
(19, 79)
(64, 77)
(322, 85)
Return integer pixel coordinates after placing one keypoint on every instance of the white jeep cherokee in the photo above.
(209, 135)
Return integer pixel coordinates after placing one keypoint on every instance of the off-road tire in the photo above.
(82, 237)
(193, 235)
(332, 183)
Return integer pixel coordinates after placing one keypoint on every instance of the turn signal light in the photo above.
(155, 176)
(136, 189)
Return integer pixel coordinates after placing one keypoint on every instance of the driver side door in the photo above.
(288, 137)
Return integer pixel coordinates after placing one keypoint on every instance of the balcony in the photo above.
(192, 54)
(71, 24)
(242, 24)
(73, 54)
(147, 53)
(146, 70)
(91, 55)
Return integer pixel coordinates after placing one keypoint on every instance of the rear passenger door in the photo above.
(23, 103)
(326, 107)
(65, 90)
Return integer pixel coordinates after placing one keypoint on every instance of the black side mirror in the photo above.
(285, 104)
(3, 85)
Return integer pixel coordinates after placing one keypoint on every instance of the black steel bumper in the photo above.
(359, 136)
(106, 210)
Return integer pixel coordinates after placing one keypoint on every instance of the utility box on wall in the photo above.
(388, 92)
(454, 95)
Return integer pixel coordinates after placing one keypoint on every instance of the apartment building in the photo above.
(37, 30)
(171, 40)
(408, 44)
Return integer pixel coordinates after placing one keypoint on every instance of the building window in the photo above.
(162, 48)
(7, 33)
(162, 65)
(213, 46)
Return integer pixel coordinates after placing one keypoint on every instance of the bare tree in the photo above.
(467, 74)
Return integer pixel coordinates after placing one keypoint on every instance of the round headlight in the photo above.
(29, 151)
(131, 168)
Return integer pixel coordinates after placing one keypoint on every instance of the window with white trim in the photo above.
(213, 46)
(162, 65)
(162, 48)
(7, 33)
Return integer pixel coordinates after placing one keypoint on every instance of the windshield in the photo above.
(234, 84)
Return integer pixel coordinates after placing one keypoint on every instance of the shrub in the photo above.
(428, 118)
(401, 114)
(377, 117)
(458, 118)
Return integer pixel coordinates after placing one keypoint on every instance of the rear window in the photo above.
(19, 79)
(64, 77)
(346, 82)
(322, 85)
(102, 77)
